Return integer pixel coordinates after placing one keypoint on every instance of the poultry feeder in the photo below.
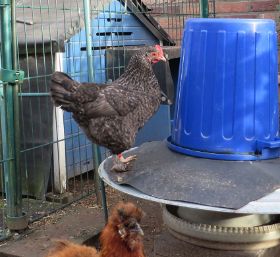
(217, 175)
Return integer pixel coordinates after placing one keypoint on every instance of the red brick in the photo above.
(171, 22)
(232, 7)
(240, 16)
(174, 9)
(258, 6)
(269, 15)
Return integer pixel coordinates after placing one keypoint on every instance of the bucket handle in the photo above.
(261, 144)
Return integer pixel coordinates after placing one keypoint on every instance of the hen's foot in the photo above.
(119, 166)
(128, 159)
(122, 164)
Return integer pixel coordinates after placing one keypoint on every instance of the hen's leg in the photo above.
(121, 164)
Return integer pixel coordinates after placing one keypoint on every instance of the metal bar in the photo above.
(88, 39)
(214, 8)
(16, 106)
(204, 12)
(148, 21)
(52, 142)
(12, 178)
(11, 76)
(96, 151)
(104, 202)
(34, 94)
(8, 148)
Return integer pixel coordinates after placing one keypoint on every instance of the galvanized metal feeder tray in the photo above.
(208, 196)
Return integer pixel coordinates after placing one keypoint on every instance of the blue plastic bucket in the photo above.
(227, 93)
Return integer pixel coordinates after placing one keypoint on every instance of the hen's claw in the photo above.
(119, 166)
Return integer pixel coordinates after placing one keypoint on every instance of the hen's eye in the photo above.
(130, 225)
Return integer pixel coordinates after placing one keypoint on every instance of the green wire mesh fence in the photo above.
(46, 160)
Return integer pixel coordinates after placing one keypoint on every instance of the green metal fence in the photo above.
(36, 177)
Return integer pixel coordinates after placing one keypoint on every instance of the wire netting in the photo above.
(56, 159)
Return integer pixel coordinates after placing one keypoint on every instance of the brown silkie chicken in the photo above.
(121, 237)
(111, 115)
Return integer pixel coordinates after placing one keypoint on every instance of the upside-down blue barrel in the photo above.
(227, 92)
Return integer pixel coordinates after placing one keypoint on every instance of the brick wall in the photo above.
(248, 9)
(268, 9)
(171, 14)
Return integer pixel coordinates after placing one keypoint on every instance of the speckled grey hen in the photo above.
(111, 115)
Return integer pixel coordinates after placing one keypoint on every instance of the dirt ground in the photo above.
(81, 222)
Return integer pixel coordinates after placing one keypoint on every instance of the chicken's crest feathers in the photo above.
(124, 211)
(123, 231)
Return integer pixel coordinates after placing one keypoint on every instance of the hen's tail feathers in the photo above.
(62, 88)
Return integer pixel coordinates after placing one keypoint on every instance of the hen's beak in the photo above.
(139, 230)
(162, 58)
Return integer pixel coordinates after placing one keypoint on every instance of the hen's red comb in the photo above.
(158, 47)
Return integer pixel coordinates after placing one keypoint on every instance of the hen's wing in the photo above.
(106, 100)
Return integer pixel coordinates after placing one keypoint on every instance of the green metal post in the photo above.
(88, 39)
(100, 192)
(12, 179)
(15, 88)
(204, 12)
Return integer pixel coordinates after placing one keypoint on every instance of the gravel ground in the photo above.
(83, 220)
